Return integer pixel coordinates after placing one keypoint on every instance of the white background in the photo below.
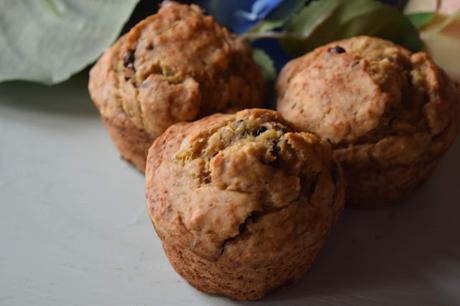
(74, 228)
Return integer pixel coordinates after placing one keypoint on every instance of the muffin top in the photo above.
(176, 65)
(241, 186)
(370, 95)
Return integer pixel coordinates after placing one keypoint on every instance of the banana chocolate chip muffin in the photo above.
(177, 65)
(389, 114)
(242, 202)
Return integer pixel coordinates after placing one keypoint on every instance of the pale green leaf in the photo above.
(49, 40)
(443, 7)
(442, 40)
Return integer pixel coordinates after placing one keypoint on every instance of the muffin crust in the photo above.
(242, 203)
(176, 65)
(389, 114)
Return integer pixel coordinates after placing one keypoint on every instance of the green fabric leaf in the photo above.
(311, 17)
(265, 63)
(419, 20)
(49, 40)
(269, 72)
(329, 20)
(279, 16)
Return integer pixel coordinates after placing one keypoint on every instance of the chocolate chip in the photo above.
(335, 173)
(128, 59)
(337, 50)
(354, 64)
(238, 123)
(275, 152)
(207, 178)
(260, 130)
(313, 184)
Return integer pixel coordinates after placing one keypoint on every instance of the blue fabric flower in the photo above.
(260, 9)
(224, 10)
(240, 15)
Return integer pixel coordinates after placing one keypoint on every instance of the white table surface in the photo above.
(74, 228)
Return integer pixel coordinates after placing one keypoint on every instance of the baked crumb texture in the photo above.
(176, 65)
(389, 114)
(242, 202)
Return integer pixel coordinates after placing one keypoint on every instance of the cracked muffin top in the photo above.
(176, 65)
(373, 97)
(241, 186)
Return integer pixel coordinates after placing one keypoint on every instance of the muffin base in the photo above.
(373, 188)
(132, 142)
(238, 282)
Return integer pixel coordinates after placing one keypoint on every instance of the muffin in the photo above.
(177, 65)
(389, 114)
(242, 202)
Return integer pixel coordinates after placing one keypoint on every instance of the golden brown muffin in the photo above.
(177, 65)
(390, 114)
(242, 203)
